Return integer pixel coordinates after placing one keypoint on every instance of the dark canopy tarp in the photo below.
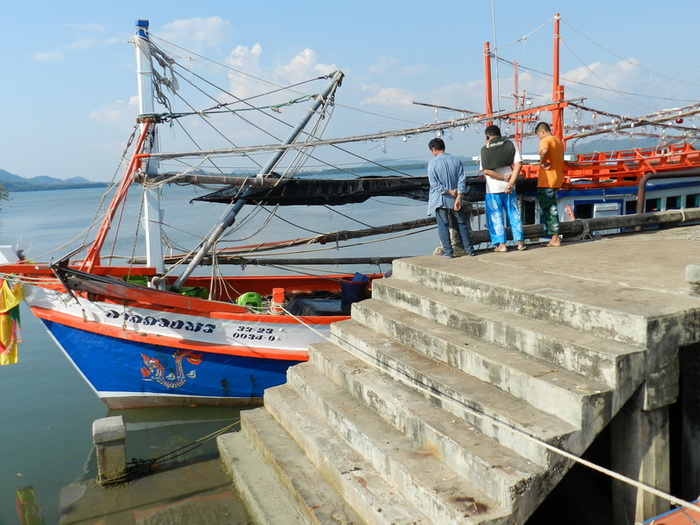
(333, 192)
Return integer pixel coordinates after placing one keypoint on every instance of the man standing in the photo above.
(549, 179)
(447, 186)
(500, 160)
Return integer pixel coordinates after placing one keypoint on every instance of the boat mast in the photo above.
(557, 89)
(151, 196)
(487, 82)
(230, 217)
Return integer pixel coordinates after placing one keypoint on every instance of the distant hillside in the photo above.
(599, 145)
(14, 182)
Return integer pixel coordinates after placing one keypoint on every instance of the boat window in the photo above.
(692, 201)
(673, 203)
(652, 205)
(583, 210)
(630, 207)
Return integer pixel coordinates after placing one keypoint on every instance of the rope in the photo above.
(139, 467)
(429, 393)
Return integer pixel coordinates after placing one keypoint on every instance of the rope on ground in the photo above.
(140, 467)
(366, 357)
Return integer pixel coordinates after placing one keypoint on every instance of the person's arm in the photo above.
(435, 181)
(458, 202)
(493, 174)
(461, 182)
(512, 179)
(544, 150)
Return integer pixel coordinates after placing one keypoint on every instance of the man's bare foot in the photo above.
(555, 241)
(501, 248)
(521, 246)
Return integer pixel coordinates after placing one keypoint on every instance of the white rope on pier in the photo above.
(619, 477)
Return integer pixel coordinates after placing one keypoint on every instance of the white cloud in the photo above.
(418, 69)
(390, 97)
(303, 66)
(118, 113)
(605, 75)
(49, 56)
(468, 96)
(83, 43)
(245, 58)
(197, 34)
(249, 61)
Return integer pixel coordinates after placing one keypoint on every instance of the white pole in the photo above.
(151, 203)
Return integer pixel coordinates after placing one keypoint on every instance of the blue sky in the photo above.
(68, 85)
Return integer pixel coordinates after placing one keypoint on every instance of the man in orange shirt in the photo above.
(549, 179)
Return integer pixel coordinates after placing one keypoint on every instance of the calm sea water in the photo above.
(47, 410)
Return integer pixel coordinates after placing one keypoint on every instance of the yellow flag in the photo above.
(10, 298)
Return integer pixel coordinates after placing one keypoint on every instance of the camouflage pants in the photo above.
(549, 215)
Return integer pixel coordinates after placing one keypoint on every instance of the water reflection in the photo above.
(181, 476)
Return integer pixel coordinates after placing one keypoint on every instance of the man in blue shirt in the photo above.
(447, 186)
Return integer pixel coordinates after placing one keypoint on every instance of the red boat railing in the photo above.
(622, 168)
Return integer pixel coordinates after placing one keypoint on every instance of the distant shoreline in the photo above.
(21, 187)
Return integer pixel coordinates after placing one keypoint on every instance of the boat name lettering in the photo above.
(163, 322)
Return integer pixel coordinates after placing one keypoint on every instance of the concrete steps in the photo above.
(481, 405)
(371, 462)
(602, 308)
(571, 397)
(432, 404)
(597, 358)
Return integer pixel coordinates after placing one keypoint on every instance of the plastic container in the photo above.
(353, 291)
(250, 299)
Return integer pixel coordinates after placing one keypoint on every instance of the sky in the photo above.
(68, 85)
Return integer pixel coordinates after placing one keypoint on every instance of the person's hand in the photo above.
(458, 203)
(546, 164)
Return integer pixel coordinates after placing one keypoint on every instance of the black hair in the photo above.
(492, 131)
(437, 144)
(543, 126)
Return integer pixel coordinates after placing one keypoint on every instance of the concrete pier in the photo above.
(447, 395)
(109, 436)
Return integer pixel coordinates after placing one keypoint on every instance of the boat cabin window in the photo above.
(583, 210)
(692, 201)
(652, 205)
(630, 207)
(673, 203)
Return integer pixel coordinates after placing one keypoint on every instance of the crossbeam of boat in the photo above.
(404, 132)
(625, 123)
(325, 238)
(299, 261)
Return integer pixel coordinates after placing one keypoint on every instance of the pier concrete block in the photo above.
(692, 275)
(109, 436)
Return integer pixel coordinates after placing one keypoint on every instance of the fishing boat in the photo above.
(172, 328)
(677, 516)
(141, 336)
